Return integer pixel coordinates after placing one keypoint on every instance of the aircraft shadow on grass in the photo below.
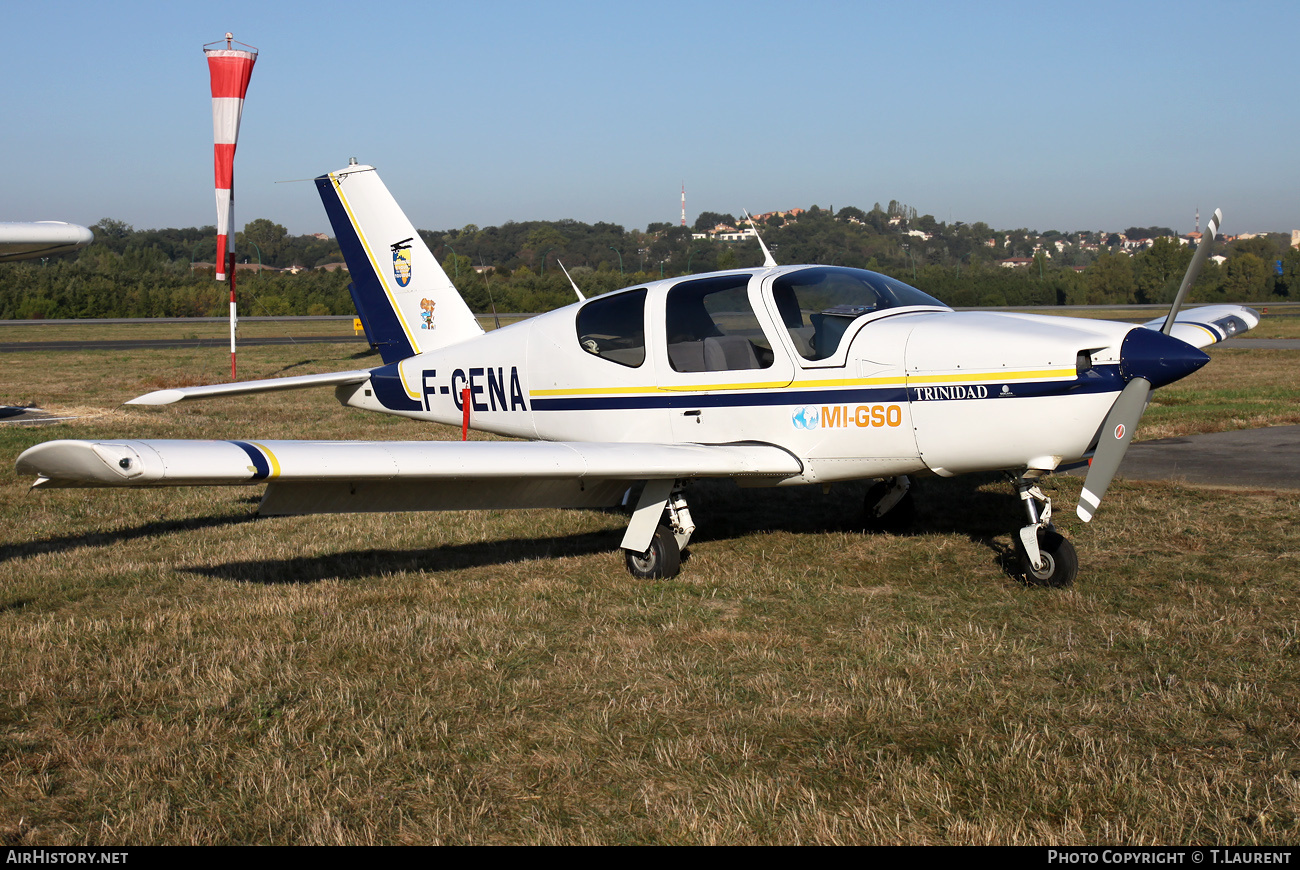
(102, 537)
(959, 507)
(956, 506)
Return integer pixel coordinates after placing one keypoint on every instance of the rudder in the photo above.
(403, 297)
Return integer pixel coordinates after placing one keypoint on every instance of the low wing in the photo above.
(1202, 327)
(359, 476)
(243, 388)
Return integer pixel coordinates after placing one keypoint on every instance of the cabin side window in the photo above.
(711, 327)
(613, 327)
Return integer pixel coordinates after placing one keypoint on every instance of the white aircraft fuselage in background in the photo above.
(25, 241)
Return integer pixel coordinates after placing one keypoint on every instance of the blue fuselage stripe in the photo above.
(1102, 379)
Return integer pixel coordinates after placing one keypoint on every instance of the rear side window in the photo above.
(613, 327)
(711, 327)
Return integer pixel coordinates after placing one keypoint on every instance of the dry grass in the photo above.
(174, 671)
(1239, 389)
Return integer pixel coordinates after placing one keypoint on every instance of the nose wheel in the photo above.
(1058, 562)
(1046, 558)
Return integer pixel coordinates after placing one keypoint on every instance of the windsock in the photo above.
(230, 69)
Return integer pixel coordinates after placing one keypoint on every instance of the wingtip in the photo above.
(157, 397)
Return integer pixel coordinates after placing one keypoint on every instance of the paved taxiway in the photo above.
(1247, 458)
(132, 344)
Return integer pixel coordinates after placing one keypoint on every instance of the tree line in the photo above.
(516, 266)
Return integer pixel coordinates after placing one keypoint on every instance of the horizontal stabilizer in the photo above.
(243, 388)
(1209, 324)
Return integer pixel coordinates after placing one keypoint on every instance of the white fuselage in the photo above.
(906, 390)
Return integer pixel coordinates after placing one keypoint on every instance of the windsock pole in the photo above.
(232, 318)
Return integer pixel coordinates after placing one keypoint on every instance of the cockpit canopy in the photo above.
(710, 325)
(818, 304)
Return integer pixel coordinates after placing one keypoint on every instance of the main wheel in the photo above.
(899, 518)
(1060, 561)
(663, 559)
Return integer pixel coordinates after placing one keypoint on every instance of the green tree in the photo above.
(1247, 278)
(1288, 285)
(1159, 270)
(267, 235)
(1110, 279)
(710, 219)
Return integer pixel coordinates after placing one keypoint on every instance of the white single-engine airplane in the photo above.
(775, 376)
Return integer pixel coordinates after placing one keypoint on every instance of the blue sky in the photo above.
(1040, 115)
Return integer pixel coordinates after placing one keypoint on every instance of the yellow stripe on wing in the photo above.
(270, 458)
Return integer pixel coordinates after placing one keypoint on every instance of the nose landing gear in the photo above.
(1046, 558)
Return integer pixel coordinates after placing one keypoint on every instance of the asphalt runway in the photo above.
(1244, 459)
(21, 346)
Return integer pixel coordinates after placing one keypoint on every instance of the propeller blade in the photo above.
(1116, 433)
(1194, 269)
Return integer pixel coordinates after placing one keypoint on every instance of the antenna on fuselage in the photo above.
(488, 285)
(768, 261)
(572, 283)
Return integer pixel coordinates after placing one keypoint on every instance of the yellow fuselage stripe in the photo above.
(908, 380)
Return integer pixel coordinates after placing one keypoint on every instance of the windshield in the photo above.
(817, 305)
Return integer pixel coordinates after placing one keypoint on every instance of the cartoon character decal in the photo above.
(427, 305)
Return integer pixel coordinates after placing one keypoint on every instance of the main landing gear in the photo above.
(889, 505)
(663, 521)
(1046, 558)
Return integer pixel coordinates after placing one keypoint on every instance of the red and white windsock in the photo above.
(230, 69)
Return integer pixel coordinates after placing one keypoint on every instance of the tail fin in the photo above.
(406, 302)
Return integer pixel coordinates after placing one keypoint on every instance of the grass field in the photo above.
(173, 670)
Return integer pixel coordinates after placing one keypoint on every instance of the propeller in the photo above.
(1148, 359)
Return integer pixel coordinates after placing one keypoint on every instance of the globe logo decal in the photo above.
(806, 417)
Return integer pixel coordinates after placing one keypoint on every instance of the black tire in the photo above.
(663, 559)
(1060, 561)
(899, 518)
